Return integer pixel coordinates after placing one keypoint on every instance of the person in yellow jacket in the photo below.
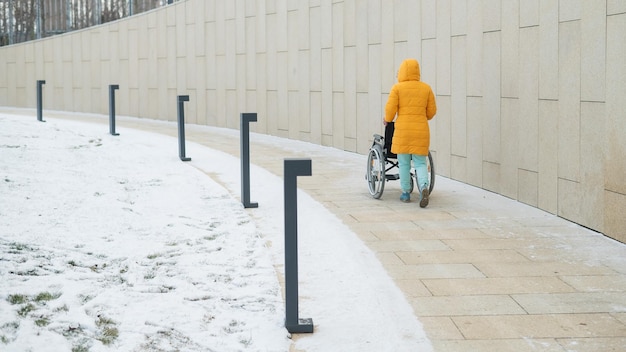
(411, 103)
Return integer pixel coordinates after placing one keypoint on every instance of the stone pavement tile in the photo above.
(415, 233)
(460, 256)
(460, 233)
(440, 328)
(540, 269)
(332, 207)
(493, 327)
(543, 254)
(413, 288)
(511, 215)
(438, 225)
(485, 220)
(496, 286)
(365, 236)
(348, 205)
(502, 345)
(388, 258)
(620, 316)
(451, 203)
(612, 344)
(566, 230)
(465, 305)
(592, 253)
(348, 219)
(333, 189)
(580, 251)
(528, 216)
(415, 246)
(616, 263)
(607, 283)
(316, 185)
(377, 215)
(497, 243)
(513, 232)
(381, 226)
(537, 218)
(421, 216)
(574, 302)
(430, 271)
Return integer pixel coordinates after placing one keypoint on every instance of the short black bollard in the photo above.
(112, 88)
(246, 118)
(293, 169)
(181, 127)
(40, 83)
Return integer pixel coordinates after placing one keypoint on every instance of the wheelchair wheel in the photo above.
(431, 173)
(376, 171)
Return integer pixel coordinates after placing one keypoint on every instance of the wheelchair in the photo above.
(381, 164)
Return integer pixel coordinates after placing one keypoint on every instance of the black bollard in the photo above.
(293, 169)
(112, 88)
(181, 127)
(246, 118)
(40, 83)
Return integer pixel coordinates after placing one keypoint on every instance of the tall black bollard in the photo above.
(293, 169)
(112, 88)
(246, 118)
(181, 127)
(40, 83)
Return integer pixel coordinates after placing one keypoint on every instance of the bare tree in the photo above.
(111, 10)
(22, 20)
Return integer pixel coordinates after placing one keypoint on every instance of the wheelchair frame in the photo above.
(380, 161)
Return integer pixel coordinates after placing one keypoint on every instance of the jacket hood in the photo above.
(409, 71)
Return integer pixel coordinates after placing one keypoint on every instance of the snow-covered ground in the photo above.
(113, 244)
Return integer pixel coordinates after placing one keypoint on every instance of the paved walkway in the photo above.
(482, 272)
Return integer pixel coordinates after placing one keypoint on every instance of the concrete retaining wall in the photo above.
(530, 93)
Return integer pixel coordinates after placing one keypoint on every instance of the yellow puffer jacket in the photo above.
(414, 103)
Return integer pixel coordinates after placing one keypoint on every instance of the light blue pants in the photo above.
(419, 162)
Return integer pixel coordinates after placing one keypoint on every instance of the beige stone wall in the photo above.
(530, 93)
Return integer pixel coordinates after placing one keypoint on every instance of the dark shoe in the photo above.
(405, 197)
(424, 197)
